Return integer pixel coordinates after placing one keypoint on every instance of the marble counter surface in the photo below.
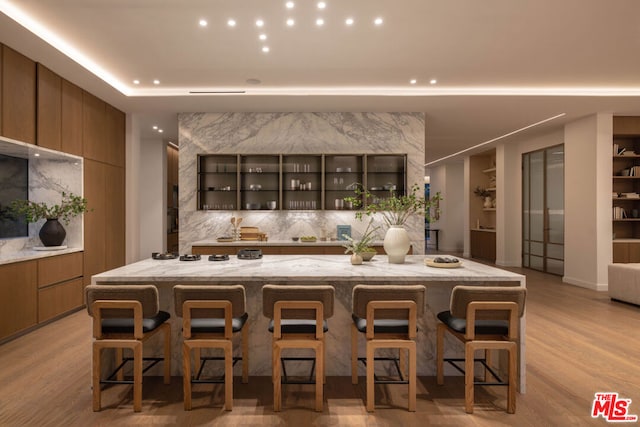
(303, 269)
(30, 254)
(213, 242)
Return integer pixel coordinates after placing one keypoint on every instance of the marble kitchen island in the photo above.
(317, 269)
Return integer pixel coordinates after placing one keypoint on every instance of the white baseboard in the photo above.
(600, 287)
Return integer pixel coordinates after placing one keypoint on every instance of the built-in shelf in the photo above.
(490, 170)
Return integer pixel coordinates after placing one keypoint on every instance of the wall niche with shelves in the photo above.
(295, 181)
(626, 189)
(482, 210)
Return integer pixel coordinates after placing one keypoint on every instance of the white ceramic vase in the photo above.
(396, 244)
(488, 203)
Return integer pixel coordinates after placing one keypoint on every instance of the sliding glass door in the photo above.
(543, 210)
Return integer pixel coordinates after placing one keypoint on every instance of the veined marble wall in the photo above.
(292, 133)
(50, 173)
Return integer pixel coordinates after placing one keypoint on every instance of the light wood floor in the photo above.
(578, 343)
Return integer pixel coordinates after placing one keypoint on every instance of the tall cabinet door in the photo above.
(18, 96)
(95, 219)
(49, 109)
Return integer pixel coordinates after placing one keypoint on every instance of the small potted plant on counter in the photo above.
(52, 233)
(396, 210)
(361, 250)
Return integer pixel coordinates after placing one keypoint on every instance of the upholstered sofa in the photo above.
(624, 282)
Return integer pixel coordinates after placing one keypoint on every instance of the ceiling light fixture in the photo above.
(290, 22)
(136, 82)
(259, 23)
(322, 5)
(378, 21)
(231, 22)
(156, 82)
(265, 49)
(262, 36)
(433, 81)
(413, 81)
(160, 130)
(290, 5)
(319, 22)
(497, 138)
(37, 154)
(349, 21)
(155, 127)
(203, 23)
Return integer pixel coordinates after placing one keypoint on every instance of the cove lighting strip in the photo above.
(496, 139)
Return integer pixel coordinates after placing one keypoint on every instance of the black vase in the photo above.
(52, 233)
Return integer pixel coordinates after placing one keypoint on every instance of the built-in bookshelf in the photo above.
(482, 209)
(626, 189)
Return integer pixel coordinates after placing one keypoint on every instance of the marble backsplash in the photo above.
(292, 133)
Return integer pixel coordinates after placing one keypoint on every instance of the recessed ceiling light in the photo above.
(290, 5)
(259, 23)
(349, 21)
(319, 22)
(265, 49)
(160, 130)
(290, 22)
(203, 23)
(378, 21)
(136, 82)
(262, 36)
(156, 82)
(433, 81)
(413, 81)
(231, 22)
(321, 5)
(37, 154)
(155, 128)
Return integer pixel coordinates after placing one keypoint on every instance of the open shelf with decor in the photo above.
(482, 205)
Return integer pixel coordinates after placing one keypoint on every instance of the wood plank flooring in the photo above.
(578, 343)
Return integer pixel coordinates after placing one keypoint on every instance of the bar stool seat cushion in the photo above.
(299, 326)
(216, 325)
(125, 325)
(483, 327)
(382, 326)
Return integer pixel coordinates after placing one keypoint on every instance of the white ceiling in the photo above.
(500, 64)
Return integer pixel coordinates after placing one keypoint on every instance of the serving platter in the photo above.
(432, 263)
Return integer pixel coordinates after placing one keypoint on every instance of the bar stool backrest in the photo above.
(461, 296)
(233, 293)
(363, 294)
(273, 293)
(147, 295)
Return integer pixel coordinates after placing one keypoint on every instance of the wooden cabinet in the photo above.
(296, 181)
(626, 189)
(104, 235)
(94, 145)
(483, 245)
(115, 136)
(49, 109)
(59, 285)
(71, 118)
(18, 96)
(18, 297)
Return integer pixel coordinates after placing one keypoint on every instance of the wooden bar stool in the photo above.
(495, 312)
(210, 316)
(125, 317)
(298, 320)
(387, 315)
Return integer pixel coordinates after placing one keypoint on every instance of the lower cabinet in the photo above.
(33, 292)
(625, 252)
(18, 297)
(483, 245)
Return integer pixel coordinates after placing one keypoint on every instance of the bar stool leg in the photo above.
(370, 377)
(245, 353)
(354, 354)
(412, 376)
(319, 375)
(277, 385)
(137, 377)
(228, 376)
(469, 352)
(186, 375)
(167, 353)
(96, 376)
(513, 369)
(440, 354)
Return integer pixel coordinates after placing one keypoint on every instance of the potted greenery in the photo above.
(396, 210)
(484, 194)
(52, 232)
(361, 250)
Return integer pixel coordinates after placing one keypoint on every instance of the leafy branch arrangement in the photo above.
(395, 209)
(482, 192)
(364, 244)
(70, 206)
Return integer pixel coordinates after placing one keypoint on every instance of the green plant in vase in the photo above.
(361, 246)
(52, 232)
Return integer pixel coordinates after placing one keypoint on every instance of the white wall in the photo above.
(588, 201)
(449, 181)
(132, 171)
